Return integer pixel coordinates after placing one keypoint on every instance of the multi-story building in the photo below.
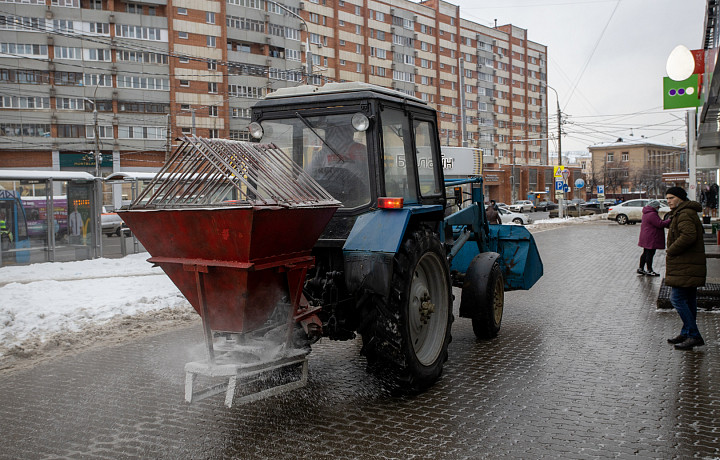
(139, 74)
(634, 167)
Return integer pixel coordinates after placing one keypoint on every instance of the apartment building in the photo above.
(126, 78)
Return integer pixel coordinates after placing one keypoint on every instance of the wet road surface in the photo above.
(580, 369)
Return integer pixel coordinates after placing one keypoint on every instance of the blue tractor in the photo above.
(386, 263)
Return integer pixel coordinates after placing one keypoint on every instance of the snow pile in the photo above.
(546, 224)
(40, 301)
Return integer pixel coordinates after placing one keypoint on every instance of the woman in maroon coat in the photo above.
(652, 236)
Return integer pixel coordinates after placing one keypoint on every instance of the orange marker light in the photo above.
(390, 203)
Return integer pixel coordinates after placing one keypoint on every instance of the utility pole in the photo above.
(463, 142)
(513, 197)
(168, 136)
(192, 111)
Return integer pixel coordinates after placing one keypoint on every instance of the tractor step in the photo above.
(250, 376)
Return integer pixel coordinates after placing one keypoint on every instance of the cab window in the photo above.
(428, 175)
(396, 144)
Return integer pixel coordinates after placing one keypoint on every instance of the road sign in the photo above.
(601, 190)
(579, 183)
(559, 185)
(565, 175)
(558, 194)
(557, 171)
(547, 189)
(566, 188)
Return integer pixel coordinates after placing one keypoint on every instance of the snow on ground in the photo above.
(71, 303)
(40, 301)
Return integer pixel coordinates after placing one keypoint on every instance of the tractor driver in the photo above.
(343, 169)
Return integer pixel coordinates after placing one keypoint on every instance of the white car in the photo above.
(522, 206)
(630, 212)
(509, 217)
(112, 224)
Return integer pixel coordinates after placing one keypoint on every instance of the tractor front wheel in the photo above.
(421, 294)
(483, 296)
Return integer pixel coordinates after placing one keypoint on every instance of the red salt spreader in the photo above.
(233, 225)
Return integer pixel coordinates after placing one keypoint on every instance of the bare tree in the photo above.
(650, 180)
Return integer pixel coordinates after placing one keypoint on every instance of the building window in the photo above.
(183, 60)
(213, 133)
(133, 8)
(185, 83)
(212, 64)
(211, 40)
(104, 132)
(142, 132)
(210, 17)
(609, 157)
(182, 11)
(212, 87)
(238, 112)
(213, 111)
(625, 156)
(183, 35)
(185, 107)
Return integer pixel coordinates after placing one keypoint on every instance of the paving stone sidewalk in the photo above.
(580, 370)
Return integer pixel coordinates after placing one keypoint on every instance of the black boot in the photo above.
(690, 343)
(679, 339)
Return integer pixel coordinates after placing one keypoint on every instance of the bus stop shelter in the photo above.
(48, 216)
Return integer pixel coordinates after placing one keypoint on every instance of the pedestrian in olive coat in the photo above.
(652, 237)
(685, 268)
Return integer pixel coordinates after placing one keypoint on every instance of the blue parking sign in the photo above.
(601, 189)
(559, 185)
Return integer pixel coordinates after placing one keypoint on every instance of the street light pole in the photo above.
(98, 184)
(96, 155)
(559, 117)
(559, 121)
(308, 55)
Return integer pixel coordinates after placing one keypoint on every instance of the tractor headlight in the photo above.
(256, 131)
(360, 122)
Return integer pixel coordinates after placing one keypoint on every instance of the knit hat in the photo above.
(655, 204)
(678, 192)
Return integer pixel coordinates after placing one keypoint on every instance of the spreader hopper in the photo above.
(233, 225)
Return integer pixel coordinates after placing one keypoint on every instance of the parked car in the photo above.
(630, 212)
(517, 218)
(597, 205)
(522, 206)
(545, 206)
(571, 210)
(112, 224)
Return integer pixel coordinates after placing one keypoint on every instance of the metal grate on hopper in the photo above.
(216, 172)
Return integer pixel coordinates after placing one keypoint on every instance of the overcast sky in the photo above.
(612, 52)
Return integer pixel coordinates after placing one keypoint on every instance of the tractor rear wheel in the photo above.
(421, 295)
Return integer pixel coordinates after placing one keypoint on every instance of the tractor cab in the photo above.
(359, 141)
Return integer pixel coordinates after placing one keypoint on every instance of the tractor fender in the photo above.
(372, 244)
(478, 270)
